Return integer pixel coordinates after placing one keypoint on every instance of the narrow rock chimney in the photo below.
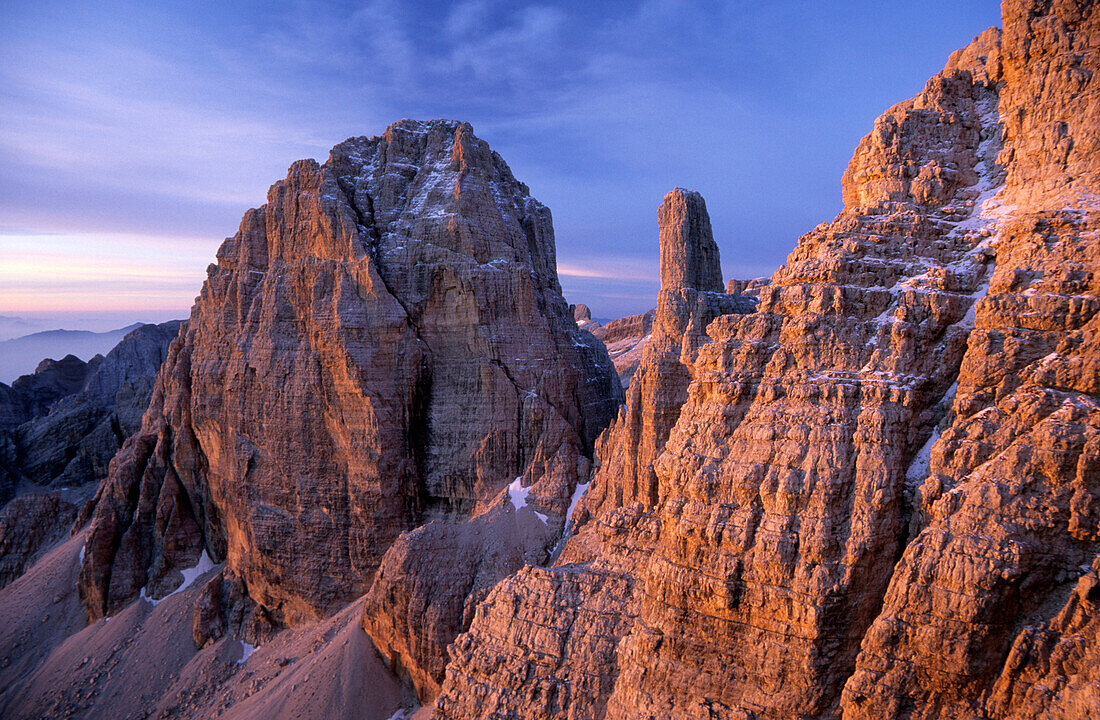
(689, 255)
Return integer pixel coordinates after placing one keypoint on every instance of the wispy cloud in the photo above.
(511, 51)
(156, 120)
(623, 269)
(58, 272)
(122, 134)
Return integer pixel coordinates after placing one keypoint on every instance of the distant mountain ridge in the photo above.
(59, 429)
(21, 355)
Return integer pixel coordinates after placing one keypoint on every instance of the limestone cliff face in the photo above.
(687, 302)
(689, 255)
(543, 644)
(919, 381)
(993, 609)
(381, 347)
(625, 340)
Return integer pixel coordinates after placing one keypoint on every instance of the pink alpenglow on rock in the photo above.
(379, 352)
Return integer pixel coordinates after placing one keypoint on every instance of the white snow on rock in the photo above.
(190, 575)
(246, 651)
(919, 468)
(567, 531)
(518, 495)
(582, 488)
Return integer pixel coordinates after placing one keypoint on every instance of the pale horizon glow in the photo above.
(133, 135)
(50, 273)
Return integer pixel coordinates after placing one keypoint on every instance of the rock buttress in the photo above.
(919, 381)
(383, 345)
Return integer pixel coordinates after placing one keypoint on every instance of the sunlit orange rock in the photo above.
(879, 494)
(383, 345)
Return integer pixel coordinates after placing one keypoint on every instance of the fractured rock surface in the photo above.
(59, 429)
(867, 487)
(992, 609)
(689, 255)
(625, 340)
(380, 370)
(918, 381)
(544, 641)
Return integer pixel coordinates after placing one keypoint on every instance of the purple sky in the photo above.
(133, 137)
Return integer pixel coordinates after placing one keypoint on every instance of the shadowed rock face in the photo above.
(382, 346)
(73, 443)
(31, 395)
(877, 497)
(29, 523)
(59, 429)
(26, 399)
(625, 340)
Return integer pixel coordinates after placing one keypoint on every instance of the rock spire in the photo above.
(689, 255)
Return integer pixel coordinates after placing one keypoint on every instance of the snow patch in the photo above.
(968, 320)
(922, 463)
(949, 396)
(1050, 359)
(518, 495)
(582, 488)
(246, 651)
(80, 558)
(567, 531)
(190, 575)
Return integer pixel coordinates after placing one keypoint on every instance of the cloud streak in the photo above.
(611, 268)
(122, 272)
(155, 120)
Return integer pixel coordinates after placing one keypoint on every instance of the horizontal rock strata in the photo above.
(380, 370)
(918, 381)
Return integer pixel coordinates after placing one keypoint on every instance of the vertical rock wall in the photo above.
(382, 345)
(993, 609)
(543, 644)
(878, 495)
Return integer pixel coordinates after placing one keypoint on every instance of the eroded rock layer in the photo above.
(625, 340)
(544, 641)
(993, 609)
(919, 381)
(382, 346)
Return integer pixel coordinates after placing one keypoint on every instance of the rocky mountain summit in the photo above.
(380, 389)
(381, 396)
(876, 495)
(386, 469)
